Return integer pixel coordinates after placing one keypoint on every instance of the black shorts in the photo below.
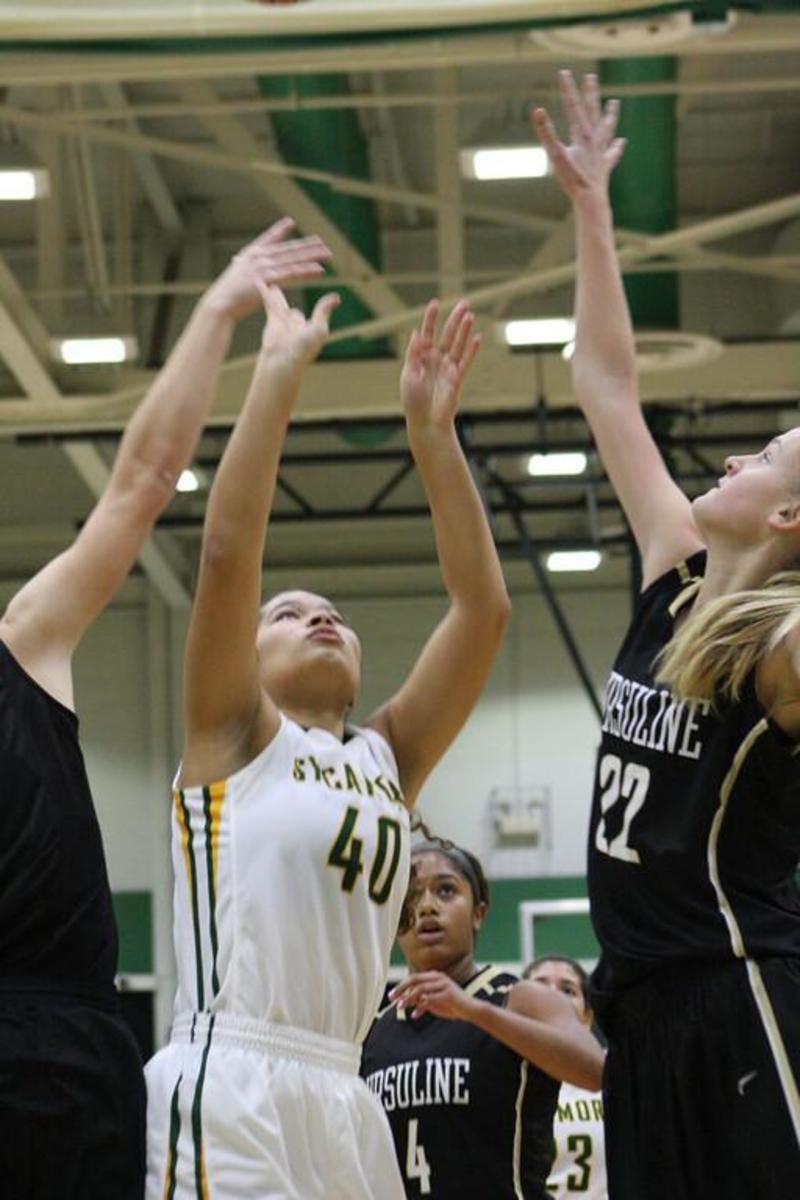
(72, 1103)
(701, 1084)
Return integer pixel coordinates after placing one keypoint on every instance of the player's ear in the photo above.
(478, 914)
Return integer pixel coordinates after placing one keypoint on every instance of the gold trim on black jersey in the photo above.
(517, 1144)
(757, 986)
(688, 592)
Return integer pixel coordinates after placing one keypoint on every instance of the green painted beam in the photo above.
(643, 192)
(331, 140)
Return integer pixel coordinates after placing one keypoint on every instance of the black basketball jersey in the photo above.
(57, 931)
(695, 830)
(469, 1117)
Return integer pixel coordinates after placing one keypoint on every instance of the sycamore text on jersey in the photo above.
(653, 718)
(417, 1083)
(590, 1109)
(343, 777)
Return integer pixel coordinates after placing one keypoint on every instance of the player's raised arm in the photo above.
(425, 715)
(229, 720)
(604, 362)
(47, 618)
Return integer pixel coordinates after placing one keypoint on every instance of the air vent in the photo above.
(675, 350)
(623, 37)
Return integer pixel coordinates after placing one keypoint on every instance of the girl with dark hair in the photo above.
(695, 830)
(291, 825)
(579, 1161)
(466, 1060)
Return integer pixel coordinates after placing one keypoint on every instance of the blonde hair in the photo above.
(715, 650)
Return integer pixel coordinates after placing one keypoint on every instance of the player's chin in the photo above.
(433, 956)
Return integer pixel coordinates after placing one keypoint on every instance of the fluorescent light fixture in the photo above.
(77, 351)
(566, 463)
(574, 560)
(22, 175)
(504, 162)
(188, 481)
(23, 183)
(546, 331)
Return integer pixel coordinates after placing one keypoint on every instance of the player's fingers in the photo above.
(610, 118)
(467, 358)
(276, 231)
(412, 350)
(323, 309)
(299, 248)
(282, 275)
(427, 326)
(590, 92)
(462, 336)
(616, 151)
(275, 302)
(546, 132)
(571, 101)
(452, 326)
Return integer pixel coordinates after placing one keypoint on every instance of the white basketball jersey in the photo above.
(289, 881)
(579, 1166)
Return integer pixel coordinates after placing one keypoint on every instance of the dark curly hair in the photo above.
(463, 861)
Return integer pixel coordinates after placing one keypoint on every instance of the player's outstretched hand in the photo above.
(291, 339)
(435, 367)
(586, 163)
(434, 992)
(270, 259)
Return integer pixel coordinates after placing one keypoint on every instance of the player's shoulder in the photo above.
(492, 983)
(675, 581)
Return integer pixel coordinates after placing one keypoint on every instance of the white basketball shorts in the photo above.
(243, 1110)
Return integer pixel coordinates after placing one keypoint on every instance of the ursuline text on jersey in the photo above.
(653, 717)
(421, 1082)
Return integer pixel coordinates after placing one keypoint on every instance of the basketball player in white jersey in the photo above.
(579, 1162)
(291, 828)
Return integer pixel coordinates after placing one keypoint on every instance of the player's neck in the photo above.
(731, 569)
(313, 718)
(463, 970)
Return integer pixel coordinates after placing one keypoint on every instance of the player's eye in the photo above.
(283, 614)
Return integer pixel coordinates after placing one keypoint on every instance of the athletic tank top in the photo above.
(289, 881)
(695, 830)
(579, 1161)
(57, 931)
(469, 1117)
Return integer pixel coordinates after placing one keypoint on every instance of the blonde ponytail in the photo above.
(715, 650)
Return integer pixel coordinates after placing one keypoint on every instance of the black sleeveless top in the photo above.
(469, 1117)
(695, 831)
(57, 931)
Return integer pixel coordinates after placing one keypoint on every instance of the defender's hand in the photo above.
(585, 164)
(435, 992)
(270, 259)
